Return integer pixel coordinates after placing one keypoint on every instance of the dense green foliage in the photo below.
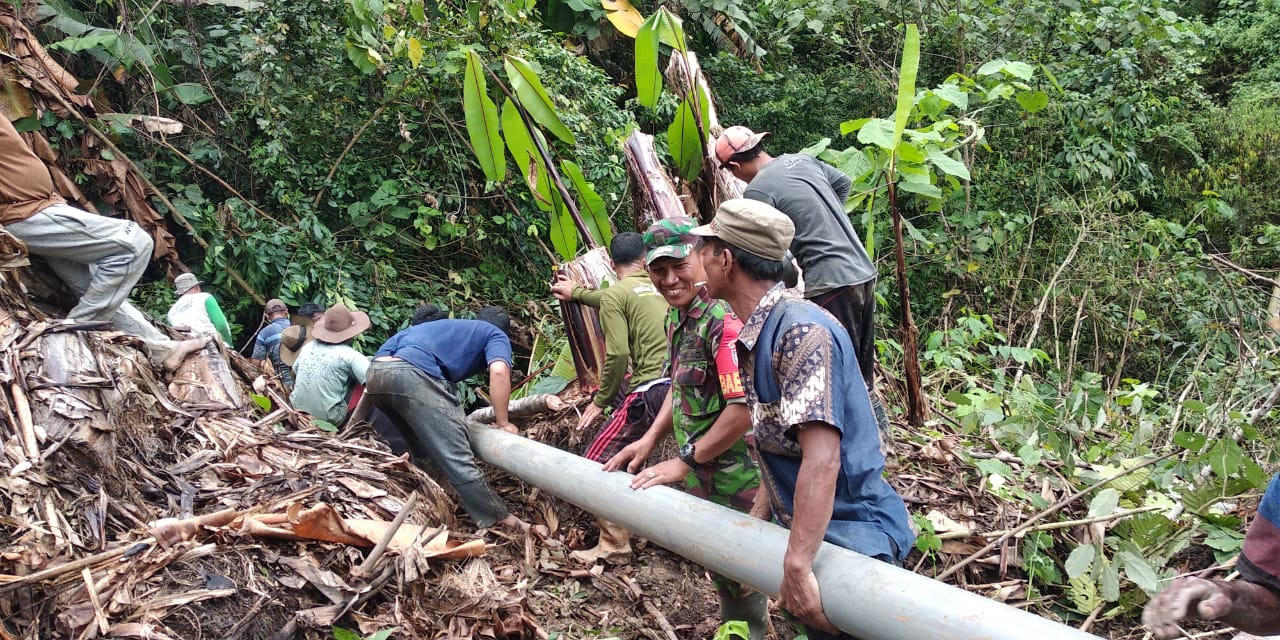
(1071, 313)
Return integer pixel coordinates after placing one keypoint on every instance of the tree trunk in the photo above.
(523, 408)
(205, 379)
(917, 406)
(73, 400)
(655, 196)
(715, 184)
(582, 323)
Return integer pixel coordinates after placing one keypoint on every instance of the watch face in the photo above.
(686, 450)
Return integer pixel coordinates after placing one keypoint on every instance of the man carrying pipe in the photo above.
(814, 432)
(706, 406)
(631, 314)
(413, 380)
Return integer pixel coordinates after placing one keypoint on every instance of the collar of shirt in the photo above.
(696, 309)
(751, 329)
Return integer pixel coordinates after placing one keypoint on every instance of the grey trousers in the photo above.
(100, 258)
(430, 418)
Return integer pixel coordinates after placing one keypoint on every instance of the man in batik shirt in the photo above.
(1251, 605)
(812, 426)
(705, 408)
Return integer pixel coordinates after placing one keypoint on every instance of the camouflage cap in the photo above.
(753, 226)
(669, 238)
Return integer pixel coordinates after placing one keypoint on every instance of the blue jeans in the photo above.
(429, 416)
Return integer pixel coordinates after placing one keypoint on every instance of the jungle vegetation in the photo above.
(1092, 289)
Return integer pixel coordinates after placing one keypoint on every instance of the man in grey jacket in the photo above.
(838, 273)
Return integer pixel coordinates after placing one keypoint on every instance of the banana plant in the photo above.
(917, 405)
(687, 134)
(924, 160)
(527, 111)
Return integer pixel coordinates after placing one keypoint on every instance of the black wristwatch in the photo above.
(686, 455)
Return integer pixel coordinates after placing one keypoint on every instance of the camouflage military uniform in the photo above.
(704, 380)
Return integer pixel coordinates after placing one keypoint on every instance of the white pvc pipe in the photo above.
(863, 597)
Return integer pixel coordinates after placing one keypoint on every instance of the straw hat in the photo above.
(341, 324)
(292, 340)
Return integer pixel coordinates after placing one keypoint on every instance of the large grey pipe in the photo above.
(869, 599)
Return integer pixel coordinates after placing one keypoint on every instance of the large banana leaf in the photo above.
(906, 83)
(624, 17)
(534, 98)
(648, 79)
(540, 186)
(519, 142)
(482, 121)
(596, 217)
(684, 139)
(564, 234)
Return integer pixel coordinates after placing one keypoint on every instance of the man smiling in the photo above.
(705, 407)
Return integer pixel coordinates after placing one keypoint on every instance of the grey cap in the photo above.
(185, 283)
(752, 226)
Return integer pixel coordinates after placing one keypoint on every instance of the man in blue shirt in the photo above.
(412, 380)
(267, 344)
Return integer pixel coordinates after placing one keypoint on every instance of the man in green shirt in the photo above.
(632, 314)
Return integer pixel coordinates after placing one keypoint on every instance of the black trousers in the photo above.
(855, 307)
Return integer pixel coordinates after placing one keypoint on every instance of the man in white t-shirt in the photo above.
(196, 311)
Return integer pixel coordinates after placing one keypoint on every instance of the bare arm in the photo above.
(814, 500)
(500, 394)
(1256, 609)
(1244, 605)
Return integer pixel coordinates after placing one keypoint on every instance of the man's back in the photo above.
(633, 302)
(324, 375)
(452, 350)
(25, 185)
(812, 194)
(189, 311)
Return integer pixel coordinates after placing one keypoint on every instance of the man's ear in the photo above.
(722, 258)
